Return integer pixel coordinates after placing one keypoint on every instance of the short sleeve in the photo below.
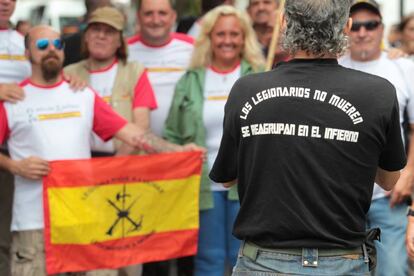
(393, 157)
(410, 108)
(4, 126)
(144, 94)
(106, 122)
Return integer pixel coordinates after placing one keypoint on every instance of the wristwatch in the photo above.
(410, 212)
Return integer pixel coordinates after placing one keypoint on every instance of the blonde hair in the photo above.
(202, 54)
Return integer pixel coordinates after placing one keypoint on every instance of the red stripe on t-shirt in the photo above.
(179, 36)
(133, 39)
(144, 95)
(183, 37)
(4, 125)
(225, 72)
(48, 86)
(106, 122)
(24, 82)
(104, 69)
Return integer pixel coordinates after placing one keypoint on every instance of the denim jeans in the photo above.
(391, 252)
(217, 247)
(267, 263)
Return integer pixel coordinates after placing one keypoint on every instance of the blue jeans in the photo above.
(217, 248)
(391, 252)
(267, 263)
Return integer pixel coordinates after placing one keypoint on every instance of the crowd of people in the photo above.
(163, 91)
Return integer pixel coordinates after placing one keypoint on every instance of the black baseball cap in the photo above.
(371, 5)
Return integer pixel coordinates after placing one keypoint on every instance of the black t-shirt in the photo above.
(304, 142)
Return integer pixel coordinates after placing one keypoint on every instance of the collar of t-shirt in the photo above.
(319, 61)
(102, 80)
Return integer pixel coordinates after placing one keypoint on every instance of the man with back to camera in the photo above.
(305, 173)
(388, 209)
(52, 123)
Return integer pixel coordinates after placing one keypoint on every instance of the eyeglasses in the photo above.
(43, 43)
(368, 25)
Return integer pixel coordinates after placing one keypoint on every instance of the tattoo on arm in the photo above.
(151, 143)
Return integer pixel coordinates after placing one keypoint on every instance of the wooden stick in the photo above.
(275, 38)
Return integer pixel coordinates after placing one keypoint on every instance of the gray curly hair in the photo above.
(316, 26)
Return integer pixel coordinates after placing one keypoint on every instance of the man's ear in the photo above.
(174, 16)
(348, 25)
(282, 21)
(27, 54)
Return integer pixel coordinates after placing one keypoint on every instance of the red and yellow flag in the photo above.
(113, 212)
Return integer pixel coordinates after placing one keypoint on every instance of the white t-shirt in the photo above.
(52, 123)
(400, 72)
(165, 64)
(103, 82)
(217, 87)
(14, 67)
(195, 29)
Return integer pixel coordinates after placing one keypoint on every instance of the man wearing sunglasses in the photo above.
(388, 209)
(53, 123)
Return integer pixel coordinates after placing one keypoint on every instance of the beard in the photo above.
(51, 67)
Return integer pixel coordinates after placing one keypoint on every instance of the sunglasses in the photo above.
(368, 25)
(43, 43)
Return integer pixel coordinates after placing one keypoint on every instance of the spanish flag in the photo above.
(113, 212)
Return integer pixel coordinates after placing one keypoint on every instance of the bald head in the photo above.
(37, 31)
(45, 52)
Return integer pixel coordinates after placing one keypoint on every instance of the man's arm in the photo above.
(32, 168)
(230, 183)
(386, 179)
(404, 186)
(107, 124)
(142, 117)
(148, 141)
(11, 92)
(142, 120)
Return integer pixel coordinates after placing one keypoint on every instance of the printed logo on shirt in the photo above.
(107, 99)
(301, 130)
(57, 116)
(165, 70)
(217, 98)
(13, 57)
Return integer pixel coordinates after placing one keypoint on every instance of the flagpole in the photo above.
(275, 38)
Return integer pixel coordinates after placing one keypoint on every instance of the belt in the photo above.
(250, 250)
